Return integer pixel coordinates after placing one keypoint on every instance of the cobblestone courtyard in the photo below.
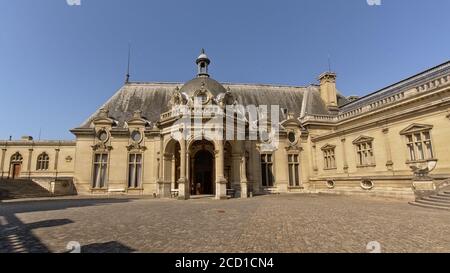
(285, 223)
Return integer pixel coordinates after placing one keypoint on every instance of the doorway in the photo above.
(16, 170)
(203, 173)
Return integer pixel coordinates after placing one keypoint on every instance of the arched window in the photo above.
(42, 162)
(16, 158)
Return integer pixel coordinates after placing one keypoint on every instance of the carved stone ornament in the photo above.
(178, 98)
(136, 146)
(101, 147)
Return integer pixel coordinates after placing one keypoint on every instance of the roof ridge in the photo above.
(223, 83)
(401, 83)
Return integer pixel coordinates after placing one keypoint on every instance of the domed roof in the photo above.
(207, 83)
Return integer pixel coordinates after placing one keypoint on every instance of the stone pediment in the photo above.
(328, 147)
(416, 127)
(292, 122)
(362, 139)
(137, 119)
(103, 118)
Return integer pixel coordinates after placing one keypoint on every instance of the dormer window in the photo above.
(136, 136)
(102, 135)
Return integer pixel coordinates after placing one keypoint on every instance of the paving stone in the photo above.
(284, 223)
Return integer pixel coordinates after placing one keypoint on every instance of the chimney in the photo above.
(27, 138)
(328, 90)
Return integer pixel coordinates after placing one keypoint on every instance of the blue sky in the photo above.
(59, 63)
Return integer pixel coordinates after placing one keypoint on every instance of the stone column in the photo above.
(387, 145)
(221, 182)
(183, 185)
(174, 173)
(236, 172)
(2, 163)
(30, 155)
(188, 169)
(244, 182)
(314, 158)
(56, 163)
(344, 155)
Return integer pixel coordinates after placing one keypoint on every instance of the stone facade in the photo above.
(327, 143)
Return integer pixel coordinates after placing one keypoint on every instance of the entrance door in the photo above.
(203, 173)
(16, 170)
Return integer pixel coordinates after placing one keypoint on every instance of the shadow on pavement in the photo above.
(16, 236)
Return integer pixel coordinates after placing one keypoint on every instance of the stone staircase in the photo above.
(440, 200)
(15, 189)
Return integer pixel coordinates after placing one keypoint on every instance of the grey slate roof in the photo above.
(153, 99)
(411, 82)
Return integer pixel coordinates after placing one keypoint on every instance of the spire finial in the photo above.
(127, 78)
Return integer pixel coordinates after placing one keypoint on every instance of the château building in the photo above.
(372, 145)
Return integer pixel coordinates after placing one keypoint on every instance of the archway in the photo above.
(201, 166)
(203, 177)
(171, 167)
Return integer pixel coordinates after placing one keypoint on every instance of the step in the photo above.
(433, 203)
(23, 189)
(436, 199)
(435, 196)
(444, 194)
(428, 206)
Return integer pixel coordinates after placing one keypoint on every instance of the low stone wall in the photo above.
(399, 188)
(60, 187)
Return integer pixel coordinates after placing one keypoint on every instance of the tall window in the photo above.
(419, 146)
(364, 151)
(42, 162)
(267, 170)
(418, 142)
(294, 180)
(329, 157)
(134, 170)
(100, 168)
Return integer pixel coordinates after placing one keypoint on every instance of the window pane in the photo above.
(291, 178)
(297, 180)
(96, 182)
(409, 137)
(103, 176)
(264, 174)
(138, 175)
(420, 150)
(429, 150)
(412, 155)
(417, 137)
(270, 174)
(131, 176)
